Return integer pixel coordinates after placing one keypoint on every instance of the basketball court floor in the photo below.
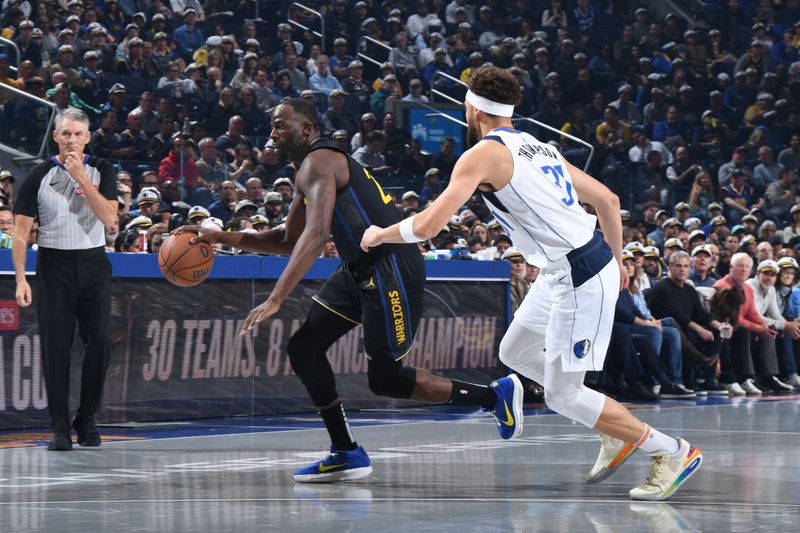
(435, 469)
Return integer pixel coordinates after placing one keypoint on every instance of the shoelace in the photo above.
(657, 465)
(324, 456)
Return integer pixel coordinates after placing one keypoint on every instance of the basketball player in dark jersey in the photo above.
(381, 289)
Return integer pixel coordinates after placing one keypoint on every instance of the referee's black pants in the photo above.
(73, 284)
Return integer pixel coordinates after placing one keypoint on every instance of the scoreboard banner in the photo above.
(177, 352)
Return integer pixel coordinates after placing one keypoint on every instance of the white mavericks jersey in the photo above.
(539, 207)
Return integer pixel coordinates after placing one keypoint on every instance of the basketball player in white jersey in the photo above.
(562, 328)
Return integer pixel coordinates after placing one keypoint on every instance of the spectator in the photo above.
(741, 368)
(211, 169)
(247, 73)
(415, 93)
(781, 195)
(790, 157)
(792, 231)
(702, 269)
(357, 88)
(133, 137)
(179, 167)
(414, 162)
(642, 146)
(396, 139)
(234, 136)
(670, 132)
(336, 118)
(368, 124)
(737, 197)
(387, 93)
(222, 208)
(737, 163)
(700, 341)
(223, 112)
(787, 299)
(188, 37)
(323, 81)
(445, 160)
(371, 155)
(766, 172)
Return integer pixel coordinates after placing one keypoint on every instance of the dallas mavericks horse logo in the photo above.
(582, 348)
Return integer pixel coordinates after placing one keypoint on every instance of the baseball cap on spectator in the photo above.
(651, 251)
(89, 55)
(135, 42)
(567, 42)
(148, 195)
(701, 249)
(250, 55)
(787, 262)
(454, 222)
(764, 97)
(214, 40)
(718, 221)
(660, 213)
(476, 56)
(131, 26)
(739, 75)
(624, 214)
(252, 42)
(685, 88)
(671, 222)
(757, 43)
(640, 11)
(118, 88)
(652, 75)
(541, 50)
(65, 49)
(273, 197)
(714, 206)
(723, 77)
(749, 218)
(159, 16)
(485, 9)
(769, 115)
(282, 181)
(715, 94)
(697, 234)
(681, 206)
(367, 21)
(707, 113)
(227, 39)
(634, 247)
(341, 41)
(244, 204)
(782, 103)
(756, 210)
(392, 77)
(501, 238)
(751, 72)
(6, 175)
(795, 208)
(692, 222)
(768, 265)
(139, 222)
(73, 18)
(198, 211)
(674, 242)
(25, 25)
(512, 253)
(355, 64)
(38, 33)
(713, 33)
(339, 134)
(738, 228)
(689, 33)
(367, 116)
(308, 93)
(211, 222)
(627, 255)
(259, 220)
(494, 224)
(668, 46)
(409, 194)
(465, 26)
(431, 172)
(189, 11)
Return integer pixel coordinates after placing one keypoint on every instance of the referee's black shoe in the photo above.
(87, 431)
(61, 442)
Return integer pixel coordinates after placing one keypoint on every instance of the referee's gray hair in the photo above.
(71, 113)
(673, 258)
(739, 257)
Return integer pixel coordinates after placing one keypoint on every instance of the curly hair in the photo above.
(496, 84)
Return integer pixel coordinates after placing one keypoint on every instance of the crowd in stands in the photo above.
(694, 122)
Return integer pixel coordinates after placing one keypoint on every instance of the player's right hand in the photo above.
(23, 294)
(208, 235)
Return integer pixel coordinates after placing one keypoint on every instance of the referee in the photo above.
(74, 196)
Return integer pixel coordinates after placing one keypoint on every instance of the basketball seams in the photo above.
(174, 275)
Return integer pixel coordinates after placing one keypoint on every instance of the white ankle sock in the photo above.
(653, 441)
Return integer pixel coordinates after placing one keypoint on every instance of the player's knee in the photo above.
(582, 405)
(300, 349)
(391, 380)
(508, 353)
(558, 401)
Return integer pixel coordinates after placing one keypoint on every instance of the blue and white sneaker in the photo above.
(507, 411)
(336, 465)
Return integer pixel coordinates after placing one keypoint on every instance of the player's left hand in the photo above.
(371, 238)
(623, 277)
(260, 313)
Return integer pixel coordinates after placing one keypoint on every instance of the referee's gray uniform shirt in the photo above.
(66, 221)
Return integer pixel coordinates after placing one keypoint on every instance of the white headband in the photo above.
(487, 106)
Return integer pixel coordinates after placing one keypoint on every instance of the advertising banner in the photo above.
(177, 352)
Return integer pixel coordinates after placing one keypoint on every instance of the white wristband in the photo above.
(407, 230)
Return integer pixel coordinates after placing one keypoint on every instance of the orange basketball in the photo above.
(185, 264)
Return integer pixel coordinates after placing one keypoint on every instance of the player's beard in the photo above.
(473, 134)
(294, 150)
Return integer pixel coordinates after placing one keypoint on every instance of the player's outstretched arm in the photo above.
(470, 171)
(606, 203)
